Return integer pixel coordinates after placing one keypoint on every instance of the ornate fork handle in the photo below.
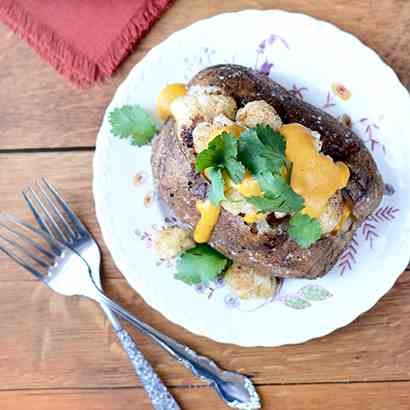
(235, 389)
(158, 393)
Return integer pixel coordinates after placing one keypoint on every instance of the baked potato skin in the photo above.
(180, 187)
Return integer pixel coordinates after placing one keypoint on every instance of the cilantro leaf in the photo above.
(271, 138)
(216, 192)
(133, 122)
(220, 154)
(259, 157)
(278, 195)
(200, 264)
(235, 169)
(304, 229)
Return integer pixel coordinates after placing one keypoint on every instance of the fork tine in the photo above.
(23, 264)
(80, 228)
(45, 191)
(25, 251)
(28, 240)
(54, 243)
(45, 219)
(36, 214)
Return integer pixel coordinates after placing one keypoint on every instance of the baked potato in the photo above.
(269, 250)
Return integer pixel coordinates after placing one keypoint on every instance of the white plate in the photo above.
(321, 64)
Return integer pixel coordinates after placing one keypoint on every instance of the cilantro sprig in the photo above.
(216, 193)
(221, 154)
(133, 122)
(278, 195)
(262, 150)
(200, 264)
(304, 229)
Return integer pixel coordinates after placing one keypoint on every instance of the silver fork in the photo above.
(235, 389)
(80, 241)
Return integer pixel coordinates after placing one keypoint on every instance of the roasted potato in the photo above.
(271, 251)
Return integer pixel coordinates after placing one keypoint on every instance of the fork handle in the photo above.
(158, 393)
(201, 366)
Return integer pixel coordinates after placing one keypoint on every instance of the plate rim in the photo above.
(110, 240)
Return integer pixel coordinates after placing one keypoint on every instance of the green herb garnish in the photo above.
(200, 264)
(133, 122)
(278, 195)
(220, 155)
(262, 150)
(216, 193)
(304, 229)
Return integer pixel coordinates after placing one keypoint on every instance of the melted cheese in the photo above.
(209, 218)
(253, 217)
(233, 129)
(314, 176)
(249, 186)
(167, 96)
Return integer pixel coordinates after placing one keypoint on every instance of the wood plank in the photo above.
(49, 342)
(369, 396)
(71, 173)
(40, 109)
(66, 342)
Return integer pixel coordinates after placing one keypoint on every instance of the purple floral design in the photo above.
(368, 230)
(232, 302)
(209, 289)
(195, 63)
(298, 91)
(371, 130)
(389, 189)
(385, 213)
(348, 257)
(266, 67)
(329, 103)
(144, 236)
(262, 63)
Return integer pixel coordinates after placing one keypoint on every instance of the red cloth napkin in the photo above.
(84, 40)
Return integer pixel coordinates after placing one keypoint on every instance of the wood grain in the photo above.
(60, 353)
(40, 109)
(368, 396)
(67, 343)
(48, 341)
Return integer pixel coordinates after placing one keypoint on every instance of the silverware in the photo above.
(81, 242)
(66, 273)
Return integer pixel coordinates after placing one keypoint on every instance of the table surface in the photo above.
(60, 353)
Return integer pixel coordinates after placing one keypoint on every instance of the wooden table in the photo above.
(60, 353)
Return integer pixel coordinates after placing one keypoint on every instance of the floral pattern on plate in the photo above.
(374, 259)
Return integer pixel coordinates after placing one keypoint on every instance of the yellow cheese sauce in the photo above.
(314, 175)
(249, 186)
(233, 129)
(167, 95)
(209, 218)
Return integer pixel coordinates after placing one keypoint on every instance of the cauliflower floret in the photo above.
(201, 106)
(213, 105)
(202, 136)
(169, 242)
(221, 121)
(247, 283)
(331, 215)
(185, 109)
(258, 112)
